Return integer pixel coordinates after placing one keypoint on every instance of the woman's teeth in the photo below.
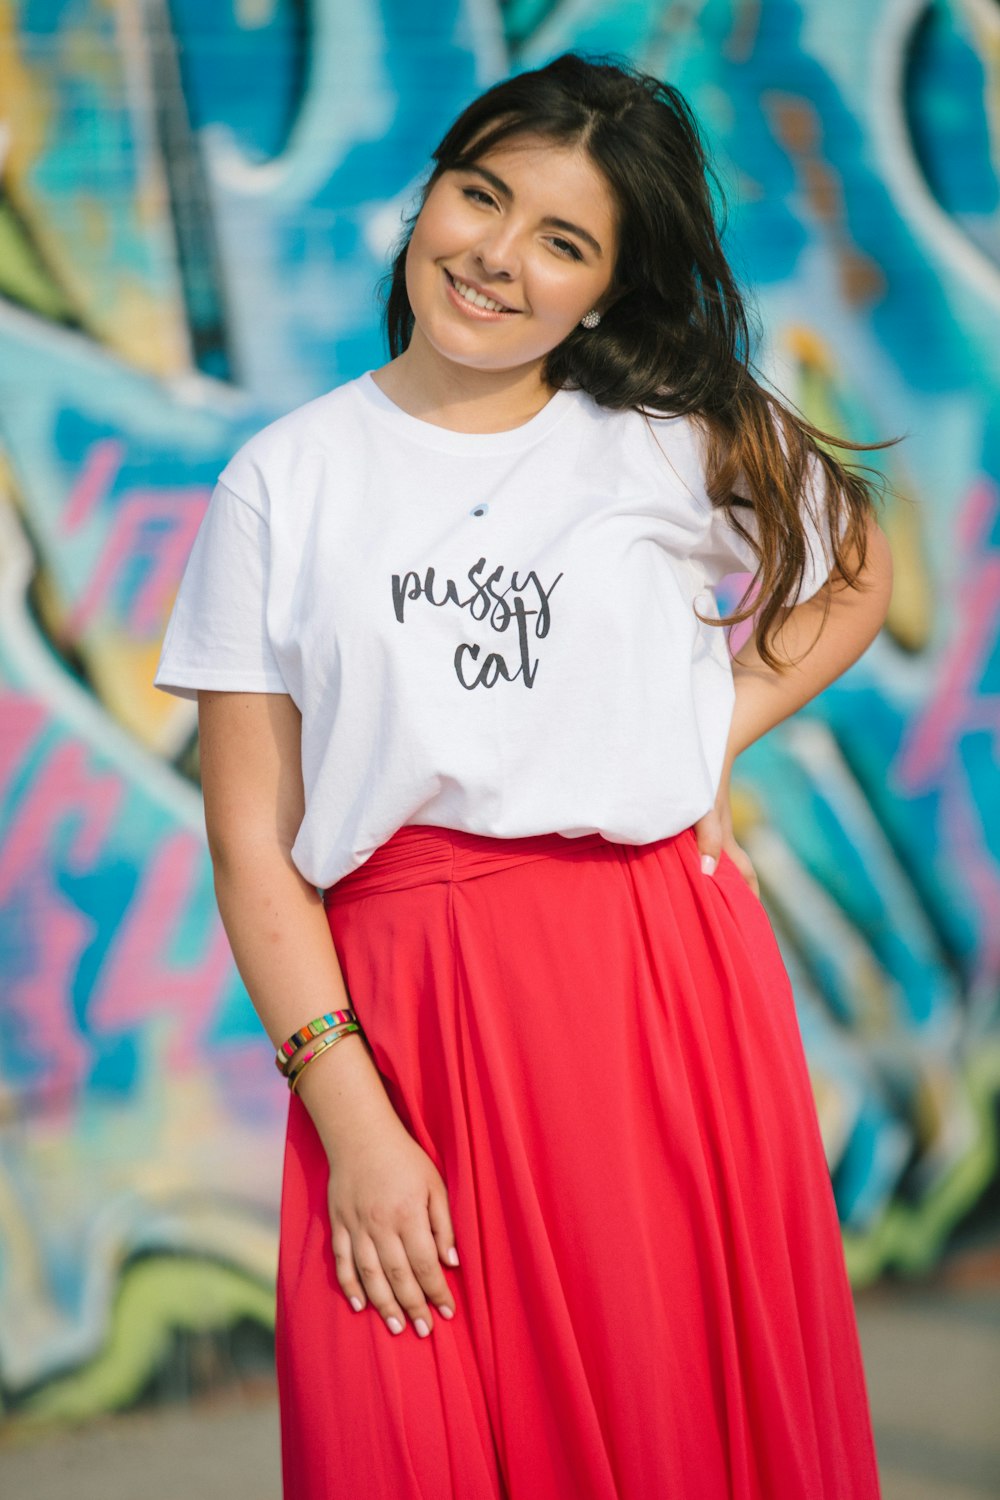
(477, 298)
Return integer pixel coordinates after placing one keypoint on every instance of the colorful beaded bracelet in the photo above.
(316, 1028)
(294, 1074)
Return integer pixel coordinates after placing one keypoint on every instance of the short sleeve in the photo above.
(724, 551)
(217, 636)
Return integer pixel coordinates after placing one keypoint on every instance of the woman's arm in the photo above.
(389, 1211)
(275, 921)
(765, 697)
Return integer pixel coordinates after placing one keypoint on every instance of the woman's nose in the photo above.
(498, 254)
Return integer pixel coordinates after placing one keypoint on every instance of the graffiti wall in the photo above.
(196, 204)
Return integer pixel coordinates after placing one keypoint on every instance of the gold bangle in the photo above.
(337, 1035)
(286, 1052)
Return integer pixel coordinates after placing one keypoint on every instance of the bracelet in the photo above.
(294, 1074)
(315, 1028)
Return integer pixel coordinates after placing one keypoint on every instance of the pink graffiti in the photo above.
(23, 718)
(957, 706)
(70, 807)
(141, 947)
(139, 539)
(97, 476)
(64, 793)
(964, 843)
(734, 588)
(38, 1001)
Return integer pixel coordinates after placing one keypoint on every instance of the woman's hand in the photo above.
(392, 1227)
(714, 833)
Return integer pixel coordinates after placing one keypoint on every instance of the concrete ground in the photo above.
(932, 1356)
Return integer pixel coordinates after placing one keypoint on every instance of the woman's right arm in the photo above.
(389, 1211)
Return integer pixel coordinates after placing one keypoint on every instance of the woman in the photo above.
(556, 1220)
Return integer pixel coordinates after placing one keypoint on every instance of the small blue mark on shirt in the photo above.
(479, 510)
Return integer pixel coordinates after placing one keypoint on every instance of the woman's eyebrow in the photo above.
(508, 193)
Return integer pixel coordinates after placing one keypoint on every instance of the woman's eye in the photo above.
(565, 247)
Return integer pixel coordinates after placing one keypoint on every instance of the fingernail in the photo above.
(451, 1256)
(708, 864)
(421, 1328)
(394, 1325)
(356, 1303)
(446, 1312)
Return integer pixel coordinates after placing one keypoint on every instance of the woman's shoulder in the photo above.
(272, 454)
(660, 442)
(643, 421)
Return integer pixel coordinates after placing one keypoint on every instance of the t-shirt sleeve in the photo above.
(725, 551)
(217, 635)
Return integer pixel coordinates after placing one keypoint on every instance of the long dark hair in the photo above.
(675, 337)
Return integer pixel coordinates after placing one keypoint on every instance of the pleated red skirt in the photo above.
(597, 1046)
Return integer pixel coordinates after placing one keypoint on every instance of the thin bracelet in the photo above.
(294, 1074)
(316, 1028)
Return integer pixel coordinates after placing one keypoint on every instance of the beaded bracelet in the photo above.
(298, 1039)
(294, 1074)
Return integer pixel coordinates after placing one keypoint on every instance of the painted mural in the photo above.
(196, 204)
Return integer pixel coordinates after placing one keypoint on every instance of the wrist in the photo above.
(344, 1093)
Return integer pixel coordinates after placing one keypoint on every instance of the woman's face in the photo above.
(532, 227)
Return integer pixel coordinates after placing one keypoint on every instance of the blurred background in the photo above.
(196, 203)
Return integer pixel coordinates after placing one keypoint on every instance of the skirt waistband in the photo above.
(422, 854)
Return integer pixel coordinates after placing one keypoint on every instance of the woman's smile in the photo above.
(525, 235)
(470, 300)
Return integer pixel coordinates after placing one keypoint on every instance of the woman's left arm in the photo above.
(765, 697)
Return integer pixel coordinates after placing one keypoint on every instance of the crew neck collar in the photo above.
(445, 439)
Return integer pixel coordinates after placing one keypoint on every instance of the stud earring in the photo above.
(591, 319)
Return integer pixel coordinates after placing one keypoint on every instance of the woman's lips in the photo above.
(485, 314)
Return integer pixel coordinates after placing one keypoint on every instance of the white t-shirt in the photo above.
(489, 632)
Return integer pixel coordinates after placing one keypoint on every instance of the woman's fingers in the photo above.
(347, 1271)
(405, 1289)
(442, 1229)
(708, 832)
(400, 1278)
(375, 1275)
(712, 842)
(423, 1257)
(744, 864)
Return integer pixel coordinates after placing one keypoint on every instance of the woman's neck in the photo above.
(461, 398)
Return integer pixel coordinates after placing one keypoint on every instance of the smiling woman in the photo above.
(556, 1222)
(491, 255)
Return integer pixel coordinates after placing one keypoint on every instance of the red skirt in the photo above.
(597, 1046)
